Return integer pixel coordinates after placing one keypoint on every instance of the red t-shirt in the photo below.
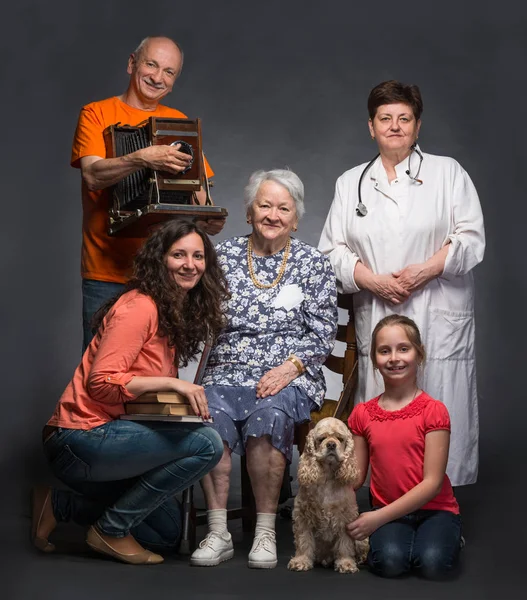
(396, 442)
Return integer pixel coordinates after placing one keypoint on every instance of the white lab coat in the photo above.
(406, 224)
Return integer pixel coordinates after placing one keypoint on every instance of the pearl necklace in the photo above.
(281, 271)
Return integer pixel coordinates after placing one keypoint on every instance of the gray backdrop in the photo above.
(276, 83)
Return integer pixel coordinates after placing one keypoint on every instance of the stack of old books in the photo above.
(161, 406)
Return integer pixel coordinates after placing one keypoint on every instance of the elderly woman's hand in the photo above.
(389, 288)
(276, 379)
(414, 277)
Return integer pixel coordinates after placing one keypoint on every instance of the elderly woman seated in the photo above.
(264, 374)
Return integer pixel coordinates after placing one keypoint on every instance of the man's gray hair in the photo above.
(286, 178)
(139, 50)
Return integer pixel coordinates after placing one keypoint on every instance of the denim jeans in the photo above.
(94, 295)
(425, 540)
(126, 473)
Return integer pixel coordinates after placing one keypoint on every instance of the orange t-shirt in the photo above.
(127, 344)
(106, 258)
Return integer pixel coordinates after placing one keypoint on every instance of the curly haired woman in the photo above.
(124, 473)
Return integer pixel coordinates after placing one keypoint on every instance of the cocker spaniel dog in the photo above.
(326, 501)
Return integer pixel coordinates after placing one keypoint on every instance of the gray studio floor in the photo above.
(76, 573)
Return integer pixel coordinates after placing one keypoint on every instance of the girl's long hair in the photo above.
(186, 319)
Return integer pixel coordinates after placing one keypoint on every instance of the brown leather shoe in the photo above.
(40, 501)
(97, 543)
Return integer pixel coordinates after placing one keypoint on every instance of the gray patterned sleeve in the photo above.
(320, 314)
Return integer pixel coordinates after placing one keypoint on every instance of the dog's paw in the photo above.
(327, 561)
(346, 565)
(300, 563)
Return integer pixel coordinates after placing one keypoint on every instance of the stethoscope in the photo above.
(361, 209)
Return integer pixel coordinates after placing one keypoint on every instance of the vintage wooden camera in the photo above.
(147, 197)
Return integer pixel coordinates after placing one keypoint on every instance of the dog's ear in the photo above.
(309, 471)
(348, 471)
(309, 447)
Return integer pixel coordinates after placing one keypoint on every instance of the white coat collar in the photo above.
(378, 172)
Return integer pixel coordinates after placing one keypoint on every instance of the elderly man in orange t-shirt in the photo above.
(106, 261)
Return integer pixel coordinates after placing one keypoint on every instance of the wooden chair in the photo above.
(347, 366)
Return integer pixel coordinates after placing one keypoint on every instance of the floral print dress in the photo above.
(297, 316)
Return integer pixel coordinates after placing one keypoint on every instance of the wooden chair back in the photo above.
(346, 366)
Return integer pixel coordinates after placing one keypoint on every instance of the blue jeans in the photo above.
(94, 295)
(425, 540)
(126, 474)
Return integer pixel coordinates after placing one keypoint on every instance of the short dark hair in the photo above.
(394, 92)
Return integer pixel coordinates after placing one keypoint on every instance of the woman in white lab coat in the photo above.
(407, 244)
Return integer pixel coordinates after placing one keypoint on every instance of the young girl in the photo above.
(126, 473)
(404, 436)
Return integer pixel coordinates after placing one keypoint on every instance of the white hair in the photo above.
(286, 178)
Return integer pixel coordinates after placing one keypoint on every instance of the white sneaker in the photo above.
(215, 548)
(263, 552)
